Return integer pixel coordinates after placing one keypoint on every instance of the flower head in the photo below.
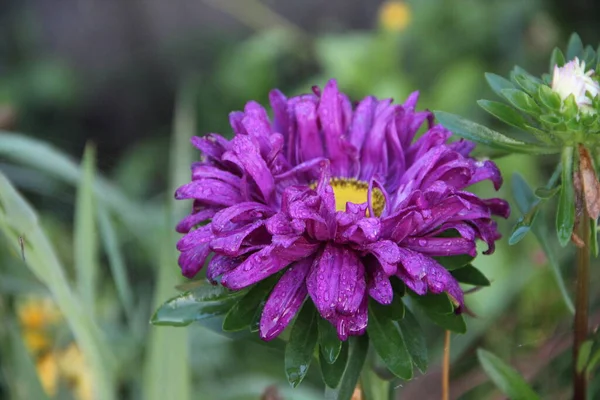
(573, 79)
(339, 199)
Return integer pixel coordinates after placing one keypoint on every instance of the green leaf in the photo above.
(498, 83)
(329, 343)
(454, 262)
(116, 261)
(471, 276)
(435, 303)
(480, 134)
(242, 313)
(357, 353)
(332, 372)
(545, 193)
(523, 225)
(505, 378)
(593, 362)
(388, 342)
(522, 101)
(452, 322)
(565, 215)
(557, 58)
(414, 338)
(584, 355)
(85, 241)
(524, 197)
(527, 83)
(504, 113)
(575, 47)
(204, 302)
(303, 339)
(549, 98)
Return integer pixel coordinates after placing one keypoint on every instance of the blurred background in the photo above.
(133, 80)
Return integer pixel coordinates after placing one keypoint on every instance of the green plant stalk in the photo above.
(581, 305)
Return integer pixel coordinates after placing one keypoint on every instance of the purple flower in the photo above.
(340, 199)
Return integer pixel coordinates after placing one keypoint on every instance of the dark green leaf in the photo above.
(452, 322)
(504, 113)
(242, 313)
(332, 372)
(204, 302)
(435, 303)
(398, 286)
(498, 83)
(471, 276)
(575, 47)
(414, 338)
(557, 58)
(507, 379)
(329, 343)
(565, 215)
(454, 262)
(388, 341)
(300, 349)
(480, 134)
(522, 101)
(545, 193)
(357, 353)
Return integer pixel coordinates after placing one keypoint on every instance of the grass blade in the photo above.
(85, 240)
(116, 261)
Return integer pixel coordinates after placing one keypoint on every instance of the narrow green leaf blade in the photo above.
(414, 338)
(584, 355)
(388, 342)
(498, 83)
(470, 275)
(565, 215)
(504, 113)
(300, 348)
(454, 262)
(332, 372)
(505, 378)
(116, 261)
(556, 59)
(329, 343)
(357, 353)
(480, 134)
(85, 240)
(522, 101)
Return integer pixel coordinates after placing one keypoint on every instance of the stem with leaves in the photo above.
(581, 305)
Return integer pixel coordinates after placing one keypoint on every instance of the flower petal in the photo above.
(285, 300)
(266, 262)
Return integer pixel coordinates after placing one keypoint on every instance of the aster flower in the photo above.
(573, 79)
(338, 199)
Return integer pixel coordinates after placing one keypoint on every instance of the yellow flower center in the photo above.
(355, 191)
(394, 15)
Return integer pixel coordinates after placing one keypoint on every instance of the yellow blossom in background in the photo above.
(37, 315)
(394, 16)
(47, 370)
(74, 369)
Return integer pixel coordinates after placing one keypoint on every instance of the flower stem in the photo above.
(446, 368)
(581, 305)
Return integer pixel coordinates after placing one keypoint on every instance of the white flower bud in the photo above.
(572, 78)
